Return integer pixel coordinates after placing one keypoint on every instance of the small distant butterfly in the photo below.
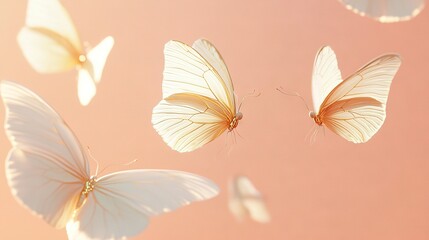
(386, 11)
(354, 108)
(245, 200)
(48, 172)
(50, 43)
(198, 97)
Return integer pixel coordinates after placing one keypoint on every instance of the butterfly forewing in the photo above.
(326, 76)
(52, 16)
(208, 51)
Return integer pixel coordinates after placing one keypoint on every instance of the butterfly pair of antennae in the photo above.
(110, 165)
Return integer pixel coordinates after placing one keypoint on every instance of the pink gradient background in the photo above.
(331, 190)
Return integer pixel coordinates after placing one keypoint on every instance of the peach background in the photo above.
(332, 189)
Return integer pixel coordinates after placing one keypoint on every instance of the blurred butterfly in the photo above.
(50, 44)
(354, 108)
(48, 172)
(198, 97)
(245, 200)
(386, 11)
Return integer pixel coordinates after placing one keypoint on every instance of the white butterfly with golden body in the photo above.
(198, 96)
(386, 11)
(245, 200)
(354, 108)
(50, 43)
(48, 172)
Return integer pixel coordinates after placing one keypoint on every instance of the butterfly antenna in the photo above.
(293, 94)
(252, 94)
(119, 164)
(95, 160)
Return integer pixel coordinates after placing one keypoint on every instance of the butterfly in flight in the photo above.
(246, 200)
(48, 172)
(198, 96)
(354, 108)
(386, 11)
(50, 43)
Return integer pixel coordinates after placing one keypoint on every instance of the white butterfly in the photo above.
(50, 44)
(198, 96)
(386, 11)
(246, 200)
(48, 172)
(356, 107)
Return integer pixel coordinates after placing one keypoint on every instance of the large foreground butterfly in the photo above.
(48, 172)
(356, 107)
(386, 11)
(246, 200)
(198, 96)
(51, 44)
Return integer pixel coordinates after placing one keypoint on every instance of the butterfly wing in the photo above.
(356, 108)
(49, 40)
(209, 52)
(90, 74)
(386, 11)
(52, 16)
(326, 76)
(46, 167)
(122, 202)
(187, 71)
(246, 199)
(198, 103)
(188, 121)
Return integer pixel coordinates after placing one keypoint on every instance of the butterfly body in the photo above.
(234, 122)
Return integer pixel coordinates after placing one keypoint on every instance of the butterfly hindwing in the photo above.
(122, 202)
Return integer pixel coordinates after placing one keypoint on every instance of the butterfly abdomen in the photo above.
(234, 122)
(87, 188)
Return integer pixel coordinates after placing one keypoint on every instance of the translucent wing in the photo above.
(46, 167)
(46, 51)
(188, 121)
(187, 71)
(245, 199)
(356, 108)
(208, 51)
(50, 15)
(121, 203)
(386, 11)
(86, 87)
(326, 76)
(92, 70)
